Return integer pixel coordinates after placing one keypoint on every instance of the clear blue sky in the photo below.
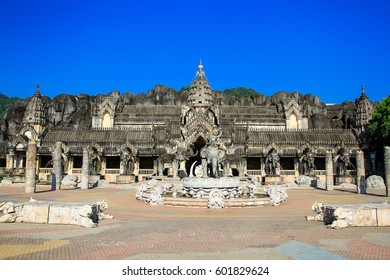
(327, 48)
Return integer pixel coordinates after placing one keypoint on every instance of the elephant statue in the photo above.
(211, 155)
(167, 159)
(229, 161)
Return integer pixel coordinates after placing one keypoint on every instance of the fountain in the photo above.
(210, 189)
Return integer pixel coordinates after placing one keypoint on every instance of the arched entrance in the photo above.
(196, 146)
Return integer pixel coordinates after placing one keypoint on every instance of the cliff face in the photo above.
(75, 111)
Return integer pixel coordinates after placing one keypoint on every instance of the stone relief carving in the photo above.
(216, 199)
(253, 187)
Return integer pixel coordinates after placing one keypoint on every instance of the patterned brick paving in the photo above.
(140, 231)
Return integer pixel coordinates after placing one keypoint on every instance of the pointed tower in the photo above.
(364, 111)
(200, 92)
(34, 114)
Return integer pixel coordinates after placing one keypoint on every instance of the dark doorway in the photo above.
(113, 162)
(46, 162)
(77, 162)
(196, 147)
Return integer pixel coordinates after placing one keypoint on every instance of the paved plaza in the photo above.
(140, 231)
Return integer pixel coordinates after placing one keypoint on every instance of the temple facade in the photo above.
(127, 138)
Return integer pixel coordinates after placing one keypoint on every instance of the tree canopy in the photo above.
(5, 103)
(240, 92)
(379, 126)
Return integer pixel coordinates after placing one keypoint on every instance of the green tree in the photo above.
(5, 103)
(379, 127)
(240, 92)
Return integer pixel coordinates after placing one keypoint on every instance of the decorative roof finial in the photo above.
(37, 92)
(200, 73)
(363, 92)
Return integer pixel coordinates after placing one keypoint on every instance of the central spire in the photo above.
(200, 91)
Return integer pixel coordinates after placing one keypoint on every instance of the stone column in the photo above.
(360, 172)
(103, 166)
(296, 166)
(329, 170)
(387, 170)
(57, 167)
(31, 165)
(136, 167)
(10, 160)
(70, 165)
(85, 170)
(262, 167)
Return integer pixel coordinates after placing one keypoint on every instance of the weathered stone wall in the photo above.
(75, 111)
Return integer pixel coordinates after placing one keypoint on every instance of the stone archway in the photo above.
(199, 143)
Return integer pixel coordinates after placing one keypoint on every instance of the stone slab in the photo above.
(383, 216)
(36, 213)
(359, 215)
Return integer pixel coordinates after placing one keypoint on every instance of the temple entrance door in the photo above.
(196, 146)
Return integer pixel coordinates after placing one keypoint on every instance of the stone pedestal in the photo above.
(85, 170)
(387, 170)
(273, 180)
(123, 179)
(360, 172)
(31, 167)
(329, 171)
(340, 179)
(93, 178)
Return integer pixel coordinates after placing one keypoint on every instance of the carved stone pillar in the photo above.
(103, 166)
(329, 171)
(296, 166)
(10, 160)
(31, 165)
(136, 167)
(57, 167)
(262, 167)
(85, 170)
(387, 170)
(70, 165)
(360, 172)
(182, 165)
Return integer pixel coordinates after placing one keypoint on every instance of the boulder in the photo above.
(6, 182)
(303, 181)
(375, 182)
(69, 180)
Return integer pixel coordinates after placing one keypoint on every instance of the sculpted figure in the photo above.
(93, 163)
(308, 165)
(344, 163)
(273, 163)
(126, 160)
(236, 161)
(169, 159)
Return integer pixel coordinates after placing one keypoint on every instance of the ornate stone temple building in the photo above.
(125, 138)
